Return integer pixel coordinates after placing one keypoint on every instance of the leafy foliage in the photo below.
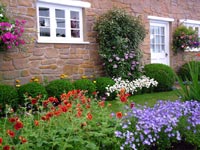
(57, 87)
(8, 96)
(183, 38)
(163, 74)
(85, 84)
(32, 89)
(119, 36)
(101, 84)
(184, 70)
(190, 88)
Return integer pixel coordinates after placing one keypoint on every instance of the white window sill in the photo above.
(63, 42)
(68, 3)
(192, 49)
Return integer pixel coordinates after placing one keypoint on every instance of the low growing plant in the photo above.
(132, 86)
(161, 126)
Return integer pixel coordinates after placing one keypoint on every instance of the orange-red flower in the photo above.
(79, 114)
(53, 99)
(198, 55)
(11, 133)
(89, 116)
(18, 125)
(1, 141)
(36, 122)
(101, 103)
(119, 115)
(22, 139)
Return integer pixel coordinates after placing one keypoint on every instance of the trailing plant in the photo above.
(8, 97)
(119, 35)
(184, 38)
(163, 74)
(10, 31)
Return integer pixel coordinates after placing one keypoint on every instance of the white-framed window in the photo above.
(60, 22)
(194, 24)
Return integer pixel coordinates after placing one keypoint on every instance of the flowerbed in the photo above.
(161, 126)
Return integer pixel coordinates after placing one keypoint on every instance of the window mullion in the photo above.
(53, 23)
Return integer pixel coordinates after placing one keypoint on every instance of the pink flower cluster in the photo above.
(11, 35)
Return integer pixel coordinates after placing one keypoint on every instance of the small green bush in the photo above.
(163, 74)
(85, 84)
(184, 72)
(32, 89)
(9, 96)
(57, 87)
(101, 84)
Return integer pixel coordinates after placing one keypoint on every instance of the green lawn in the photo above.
(147, 99)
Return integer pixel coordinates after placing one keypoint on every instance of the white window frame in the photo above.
(67, 6)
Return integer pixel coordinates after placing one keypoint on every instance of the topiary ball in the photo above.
(32, 89)
(163, 74)
(101, 84)
(9, 96)
(85, 84)
(184, 71)
(58, 87)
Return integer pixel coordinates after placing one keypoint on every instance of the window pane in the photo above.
(44, 12)
(44, 22)
(74, 24)
(60, 13)
(74, 15)
(60, 23)
(45, 32)
(75, 33)
(60, 32)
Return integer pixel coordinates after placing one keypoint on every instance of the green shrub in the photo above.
(119, 35)
(184, 71)
(32, 89)
(85, 84)
(57, 87)
(101, 84)
(163, 74)
(9, 96)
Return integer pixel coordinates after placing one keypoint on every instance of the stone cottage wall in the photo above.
(49, 61)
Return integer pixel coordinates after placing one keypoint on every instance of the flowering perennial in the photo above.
(145, 126)
(131, 86)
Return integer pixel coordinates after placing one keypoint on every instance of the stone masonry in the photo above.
(49, 61)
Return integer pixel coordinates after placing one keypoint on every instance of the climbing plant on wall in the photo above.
(119, 36)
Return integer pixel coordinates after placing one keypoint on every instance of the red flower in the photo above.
(45, 103)
(89, 116)
(119, 115)
(1, 141)
(33, 101)
(22, 139)
(18, 125)
(13, 119)
(63, 108)
(53, 99)
(36, 122)
(11, 133)
(198, 55)
(6, 147)
(101, 103)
